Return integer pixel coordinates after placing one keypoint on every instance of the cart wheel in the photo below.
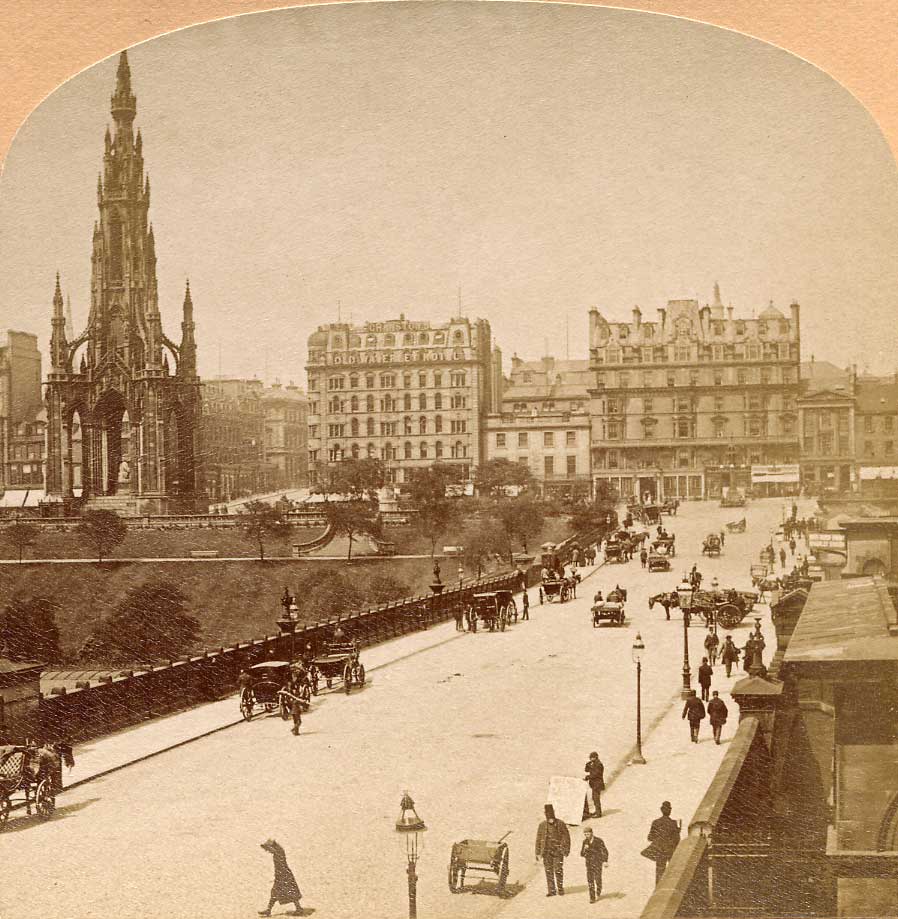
(360, 675)
(514, 609)
(305, 694)
(347, 678)
(729, 616)
(503, 620)
(328, 682)
(44, 799)
(502, 858)
(285, 712)
(540, 596)
(454, 885)
(246, 705)
(595, 621)
(5, 808)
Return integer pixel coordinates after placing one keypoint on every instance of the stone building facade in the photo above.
(876, 434)
(286, 434)
(687, 405)
(407, 393)
(21, 412)
(543, 422)
(130, 389)
(234, 440)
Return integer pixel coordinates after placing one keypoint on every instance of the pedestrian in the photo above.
(284, 889)
(595, 853)
(704, 679)
(595, 775)
(553, 845)
(643, 557)
(694, 711)
(748, 653)
(717, 714)
(712, 643)
(722, 538)
(664, 836)
(525, 606)
(782, 557)
(471, 616)
(460, 617)
(792, 546)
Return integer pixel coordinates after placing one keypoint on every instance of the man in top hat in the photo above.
(553, 845)
(664, 836)
(595, 775)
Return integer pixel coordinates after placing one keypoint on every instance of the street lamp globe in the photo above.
(638, 649)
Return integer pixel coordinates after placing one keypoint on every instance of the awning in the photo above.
(22, 497)
(788, 474)
(879, 472)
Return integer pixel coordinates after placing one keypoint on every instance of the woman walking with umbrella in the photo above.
(284, 889)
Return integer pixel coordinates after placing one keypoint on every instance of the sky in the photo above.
(526, 161)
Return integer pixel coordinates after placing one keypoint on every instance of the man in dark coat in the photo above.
(694, 711)
(729, 654)
(712, 643)
(717, 714)
(596, 854)
(704, 679)
(553, 845)
(284, 889)
(664, 836)
(595, 775)
(525, 606)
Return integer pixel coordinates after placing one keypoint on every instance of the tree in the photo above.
(19, 535)
(595, 515)
(260, 521)
(437, 514)
(358, 478)
(104, 530)
(494, 476)
(518, 520)
(149, 625)
(351, 517)
(28, 630)
(482, 546)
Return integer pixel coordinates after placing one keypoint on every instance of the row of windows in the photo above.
(385, 357)
(887, 426)
(392, 403)
(825, 443)
(337, 453)
(685, 428)
(681, 459)
(389, 340)
(888, 449)
(765, 327)
(547, 406)
(390, 428)
(388, 380)
(682, 404)
(570, 439)
(743, 376)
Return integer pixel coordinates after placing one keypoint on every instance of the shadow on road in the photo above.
(26, 822)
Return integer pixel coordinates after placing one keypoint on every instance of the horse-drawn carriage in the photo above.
(658, 561)
(552, 589)
(726, 608)
(647, 514)
(619, 547)
(733, 498)
(494, 609)
(711, 545)
(665, 544)
(339, 662)
(670, 507)
(481, 856)
(263, 689)
(736, 526)
(33, 772)
(611, 608)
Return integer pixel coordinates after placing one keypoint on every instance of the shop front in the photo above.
(775, 481)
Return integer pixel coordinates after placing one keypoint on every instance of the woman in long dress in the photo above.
(284, 889)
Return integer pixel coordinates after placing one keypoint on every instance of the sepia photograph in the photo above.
(448, 468)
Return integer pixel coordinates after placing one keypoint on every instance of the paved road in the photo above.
(473, 728)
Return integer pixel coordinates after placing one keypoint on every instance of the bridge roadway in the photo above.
(473, 728)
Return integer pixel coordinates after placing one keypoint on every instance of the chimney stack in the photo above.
(637, 318)
(795, 309)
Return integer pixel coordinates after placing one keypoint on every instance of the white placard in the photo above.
(566, 795)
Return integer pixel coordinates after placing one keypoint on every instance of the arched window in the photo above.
(407, 402)
(355, 451)
(369, 381)
(407, 450)
(423, 338)
(438, 400)
(408, 339)
(459, 450)
(438, 449)
(369, 403)
(354, 427)
(388, 452)
(438, 423)
(372, 450)
(354, 381)
(389, 340)
(406, 425)
(423, 450)
(422, 402)
(354, 404)
(338, 341)
(387, 381)
(422, 425)
(369, 427)
(115, 248)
